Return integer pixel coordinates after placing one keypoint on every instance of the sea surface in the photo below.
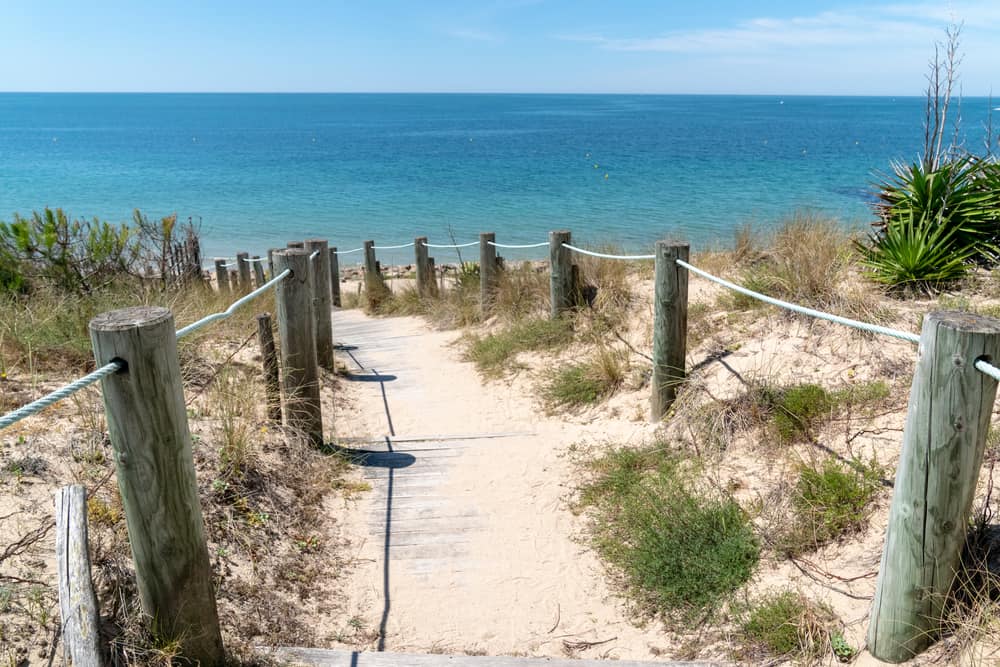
(258, 170)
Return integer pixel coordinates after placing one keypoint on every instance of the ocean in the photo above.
(258, 170)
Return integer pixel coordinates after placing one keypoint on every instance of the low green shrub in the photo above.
(681, 551)
(494, 353)
(786, 625)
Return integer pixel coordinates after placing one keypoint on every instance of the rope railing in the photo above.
(255, 259)
(459, 245)
(393, 247)
(347, 252)
(795, 308)
(602, 255)
(518, 246)
(230, 265)
(37, 406)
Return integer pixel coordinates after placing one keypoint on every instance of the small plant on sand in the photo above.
(830, 501)
(680, 551)
(787, 625)
(587, 382)
(495, 353)
(233, 405)
(522, 292)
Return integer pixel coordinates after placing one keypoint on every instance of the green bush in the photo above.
(681, 551)
(786, 625)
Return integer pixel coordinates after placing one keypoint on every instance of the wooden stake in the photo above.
(335, 277)
(321, 302)
(243, 266)
(375, 289)
(489, 271)
(300, 375)
(669, 326)
(221, 276)
(269, 361)
(943, 443)
(258, 271)
(425, 278)
(77, 601)
(147, 424)
(561, 286)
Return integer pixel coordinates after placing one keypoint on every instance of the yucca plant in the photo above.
(915, 253)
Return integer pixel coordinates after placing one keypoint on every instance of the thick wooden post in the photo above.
(269, 361)
(147, 424)
(258, 271)
(561, 287)
(335, 277)
(221, 276)
(322, 311)
(243, 266)
(300, 375)
(375, 289)
(297, 244)
(669, 326)
(425, 278)
(489, 271)
(943, 444)
(77, 601)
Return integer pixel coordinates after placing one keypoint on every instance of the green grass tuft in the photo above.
(587, 382)
(495, 353)
(787, 625)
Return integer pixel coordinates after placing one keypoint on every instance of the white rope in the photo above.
(864, 326)
(393, 247)
(528, 245)
(236, 304)
(348, 252)
(604, 256)
(35, 407)
(314, 254)
(256, 259)
(460, 245)
(986, 367)
(230, 265)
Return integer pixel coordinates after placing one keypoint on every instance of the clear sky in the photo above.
(642, 46)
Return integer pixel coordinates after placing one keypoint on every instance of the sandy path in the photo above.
(471, 537)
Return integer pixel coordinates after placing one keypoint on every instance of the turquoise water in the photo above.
(258, 170)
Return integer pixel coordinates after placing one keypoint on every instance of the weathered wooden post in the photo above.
(147, 424)
(243, 266)
(489, 271)
(270, 261)
(669, 326)
(335, 277)
(943, 444)
(321, 301)
(77, 600)
(374, 287)
(234, 280)
(300, 375)
(425, 277)
(561, 287)
(258, 271)
(269, 361)
(297, 244)
(221, 276)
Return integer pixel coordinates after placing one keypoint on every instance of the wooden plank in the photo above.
(943, 443)
(77, 600)
(147, 424)
(669, 327)
(346, 658)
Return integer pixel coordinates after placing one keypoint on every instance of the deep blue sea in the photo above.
(258, 170)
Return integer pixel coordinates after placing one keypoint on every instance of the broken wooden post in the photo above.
(334, 277)
(489, 271)
(147, 425)
(221, 276)
(322, 312)
(561, 287)
(269, 361)
(77, 601)
(669, 326)
(943, 443)
(300, 375)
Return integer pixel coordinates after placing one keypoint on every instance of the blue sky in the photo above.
(670, 46)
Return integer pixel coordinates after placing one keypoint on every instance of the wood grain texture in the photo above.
(345, 658)
(425, 277)
(243, 267)
(147, 424)
(300, 375)
(670, 303)
(560, 273)
(221, 276)
(943, 444)
(77, 601)
(335, 277)
(322, 315)
(269, 361)
(489, 271)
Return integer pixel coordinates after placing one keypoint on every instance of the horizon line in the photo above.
(446, 92)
